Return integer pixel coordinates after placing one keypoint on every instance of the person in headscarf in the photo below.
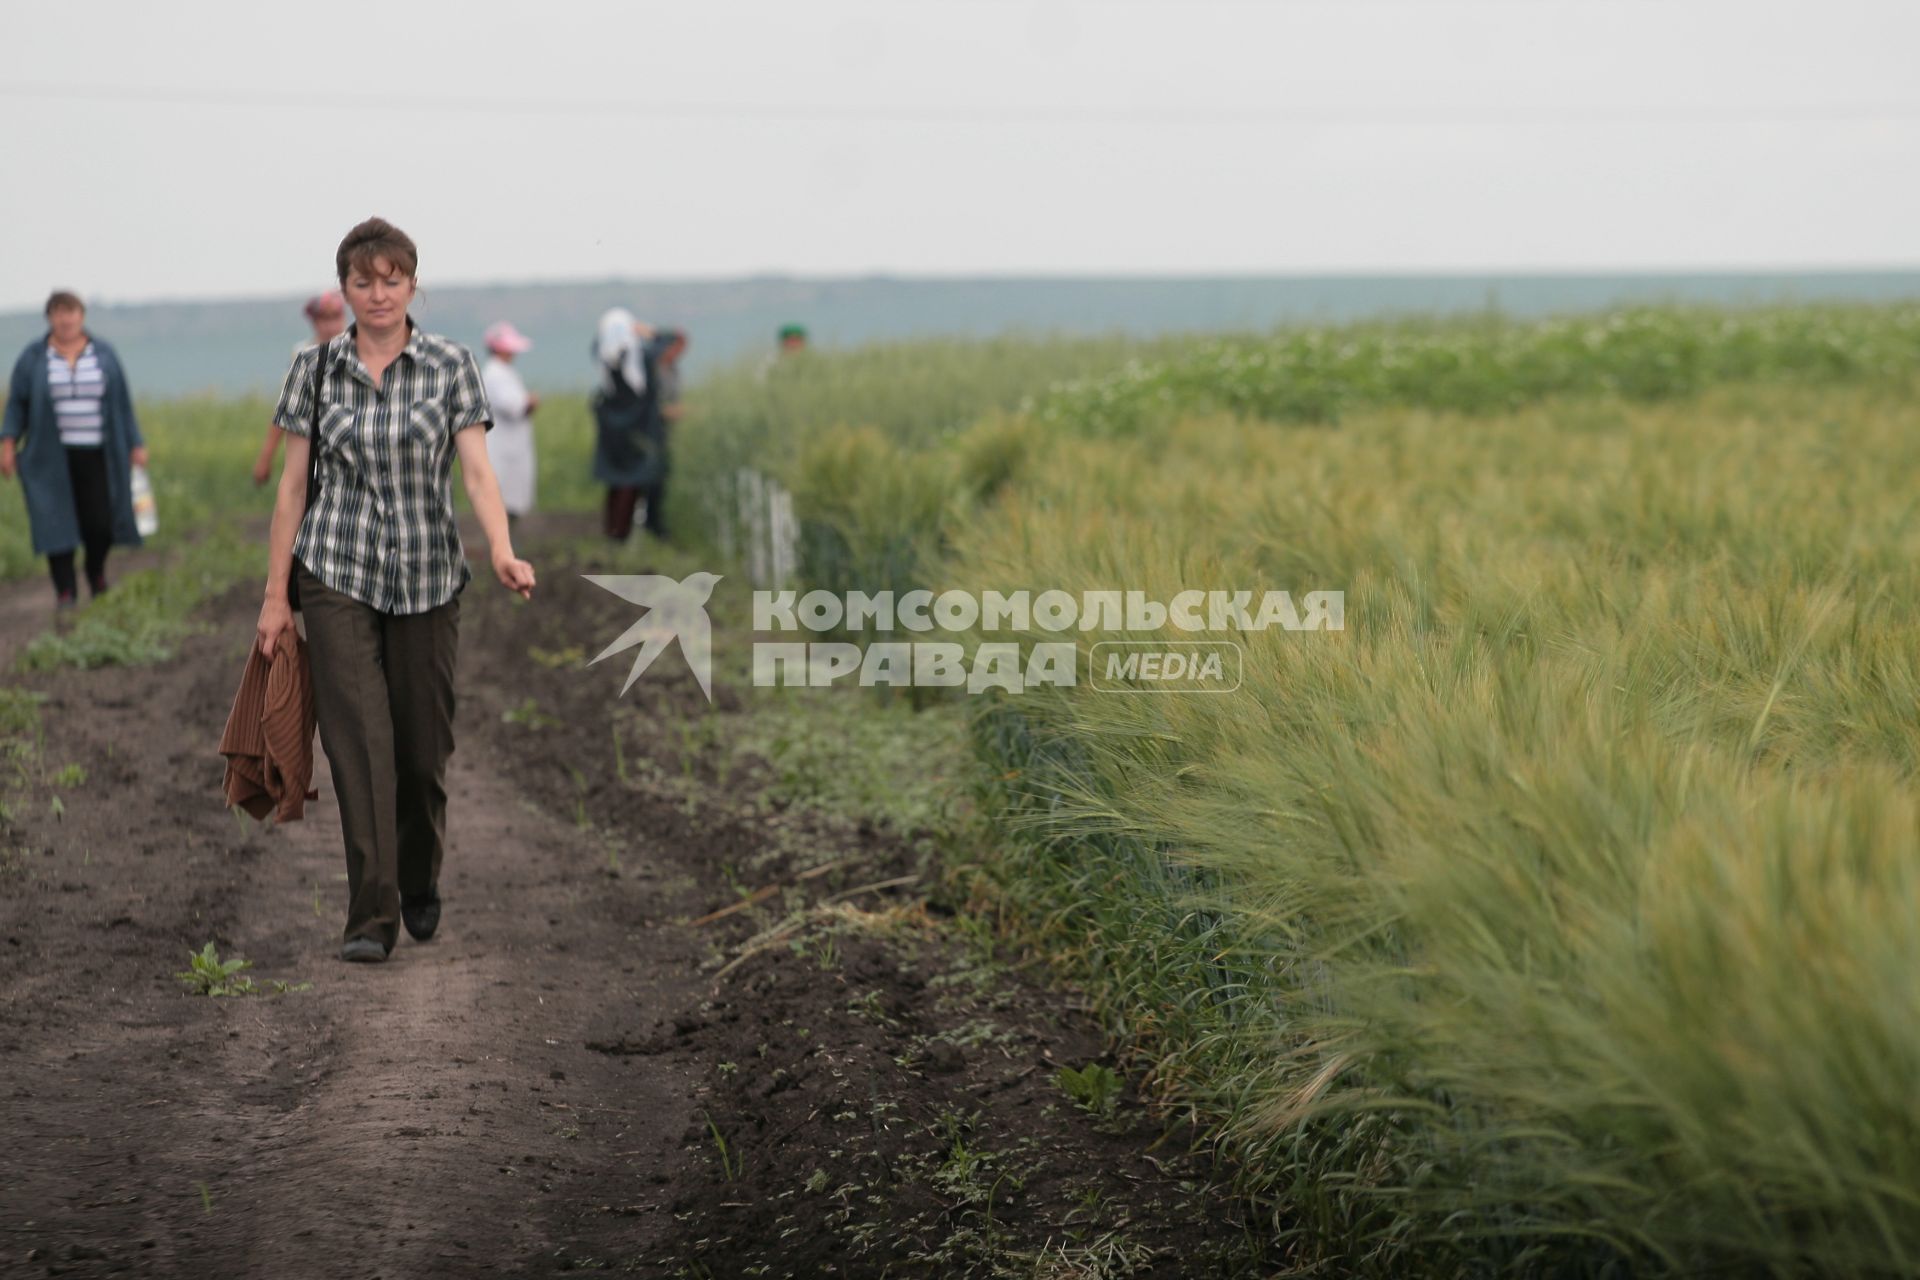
(630, 446)
(510, 443)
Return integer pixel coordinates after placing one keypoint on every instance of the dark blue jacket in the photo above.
(630, 439)
(43, 459)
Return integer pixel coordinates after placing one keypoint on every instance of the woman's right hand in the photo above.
(275, 618)
(6, 458)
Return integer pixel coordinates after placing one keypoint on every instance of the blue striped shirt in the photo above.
(76, 390)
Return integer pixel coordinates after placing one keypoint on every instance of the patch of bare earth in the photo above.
(587, 1069)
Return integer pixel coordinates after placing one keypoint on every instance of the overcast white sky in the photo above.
(213, 149)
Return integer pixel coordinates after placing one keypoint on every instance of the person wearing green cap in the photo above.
(793, 339)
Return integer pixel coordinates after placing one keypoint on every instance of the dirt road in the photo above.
(574, 1074)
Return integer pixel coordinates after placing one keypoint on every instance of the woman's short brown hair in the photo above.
(372, 240)
(60, 299)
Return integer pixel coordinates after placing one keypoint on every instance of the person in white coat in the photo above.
(510, 443)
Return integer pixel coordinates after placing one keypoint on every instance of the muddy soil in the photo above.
(668, 1027)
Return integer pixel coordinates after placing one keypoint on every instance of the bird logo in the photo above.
(674, 611)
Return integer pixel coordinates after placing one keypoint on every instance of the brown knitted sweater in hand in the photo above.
(268, 741)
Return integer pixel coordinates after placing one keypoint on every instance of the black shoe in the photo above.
(421, 915)
(363, 951)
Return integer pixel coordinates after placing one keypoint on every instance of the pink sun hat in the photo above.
(504, 338)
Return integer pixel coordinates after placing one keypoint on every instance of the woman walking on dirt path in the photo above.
(71, 435)
(380, 569)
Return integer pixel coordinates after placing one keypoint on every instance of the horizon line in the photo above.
(1045, 277)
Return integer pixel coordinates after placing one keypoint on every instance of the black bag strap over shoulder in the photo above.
(313, 431)
(313, 448)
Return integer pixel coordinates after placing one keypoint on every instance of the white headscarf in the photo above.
(619, 345)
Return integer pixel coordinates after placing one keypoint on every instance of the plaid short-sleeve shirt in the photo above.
(381, 527)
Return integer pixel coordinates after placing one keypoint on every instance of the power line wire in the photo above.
(985, 113)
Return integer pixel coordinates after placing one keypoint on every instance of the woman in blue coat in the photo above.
(71, 435)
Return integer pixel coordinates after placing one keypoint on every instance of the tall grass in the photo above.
(1645, 354)
(1556, 917)
(885, 449)
(839, 426)
(1562, 910)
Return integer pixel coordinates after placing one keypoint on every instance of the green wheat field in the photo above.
(1562, 912)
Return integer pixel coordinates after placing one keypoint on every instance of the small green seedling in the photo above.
(528, 713)
(1093, 1087)
(209, 975)
(729, 1162)
(579, 798)
(212, 976)
(552, 659)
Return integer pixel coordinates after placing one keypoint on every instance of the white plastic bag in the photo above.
(145, 517)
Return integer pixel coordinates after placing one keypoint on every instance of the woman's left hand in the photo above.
(139, 455)
(515, 575)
